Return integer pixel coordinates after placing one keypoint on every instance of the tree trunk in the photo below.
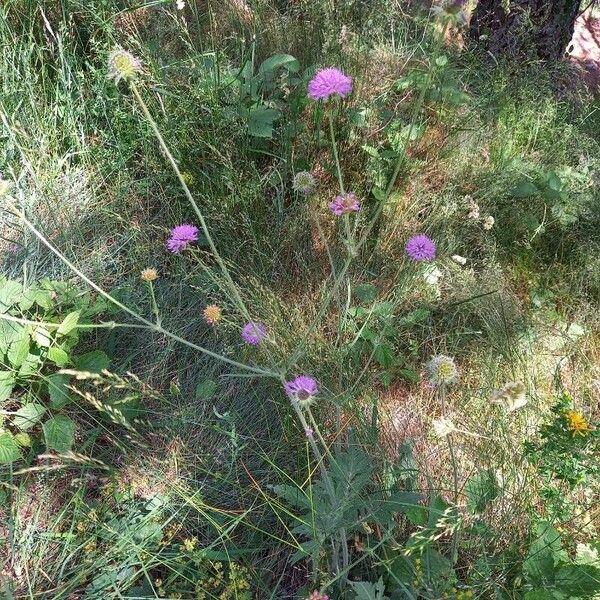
(542, 27)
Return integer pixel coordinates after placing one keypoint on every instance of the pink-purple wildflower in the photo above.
(328, 82)
(344, 204)
(302, 389)
(254, 333)
(420, 248)
(181, 236)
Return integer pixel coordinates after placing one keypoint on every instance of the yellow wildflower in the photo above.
(149, 275)
(577, 423)
(212, 314)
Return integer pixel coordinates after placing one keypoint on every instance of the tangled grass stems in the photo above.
(156, 328)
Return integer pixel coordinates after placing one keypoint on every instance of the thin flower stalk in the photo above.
(186, 189)
(149, 324)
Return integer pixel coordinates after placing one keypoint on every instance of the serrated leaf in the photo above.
(27, 416)
(9, 450)
(293, 495)
(69, 323)
(205, 390)
(42, 337)
(10, 294)
(384, 356)
(58, 391)
(7, 383)
(365, 590)
(23, 439)
(18, 350)
(58, 356)
(94, 362)
(59, 433)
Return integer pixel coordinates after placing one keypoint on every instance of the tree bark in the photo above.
(541, 27)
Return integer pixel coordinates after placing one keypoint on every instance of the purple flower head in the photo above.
(181, 236)
(342, 205)
(420, 248)
(254, 333)
(302, 389)
(327, 82)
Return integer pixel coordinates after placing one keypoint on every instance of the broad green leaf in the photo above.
(554, 181)
(42, 337)
(9, 332)
(543, 553)
(581, 581)
(69, 323)
(481, 490)
(59, 433)
(261, 120)
(27, 416)
(7, 383)
(58, 391)
(539, 595)
(58, 356)
(205, 390)
(10, 294)
(365, 590)
(18, 350)
(94, 362)
(384, 356)
(23, 439)
(9, 450)
(525, 189)
(279, 60)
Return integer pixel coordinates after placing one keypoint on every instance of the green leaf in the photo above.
(525, 189)
(261, 120)
(366, 292)
(27, 416)
(365, 590)
(69, 323)
(10, 294)
(205, 390)
(94, 362)
(7, 383)
(19, 350)
(543, 553)
(9, 450)
(58, 356)
(58, 391)
(539, 595)
(384, 356)
(554, 181)
(59, 433)
(23, 439)
(582, 581)
(293, 495)
(42, 337)
(481, 490)
(287, 61)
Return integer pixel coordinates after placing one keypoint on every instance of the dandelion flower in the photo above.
(577, 423)
(149, 275)
(488, 222)
(343, 205)
(443, 427)
(317, 596)
(212, 314)
(181, 236)
(123, 65)
(302, 390)
(442, 370)
(511, 396)
(329, 82)
(420, 248)
(254, 333)
(304, 182)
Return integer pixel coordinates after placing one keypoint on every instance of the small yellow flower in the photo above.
(188, 178)
(189, 544)
(212, 314)
(577, 423)
(149, 275)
